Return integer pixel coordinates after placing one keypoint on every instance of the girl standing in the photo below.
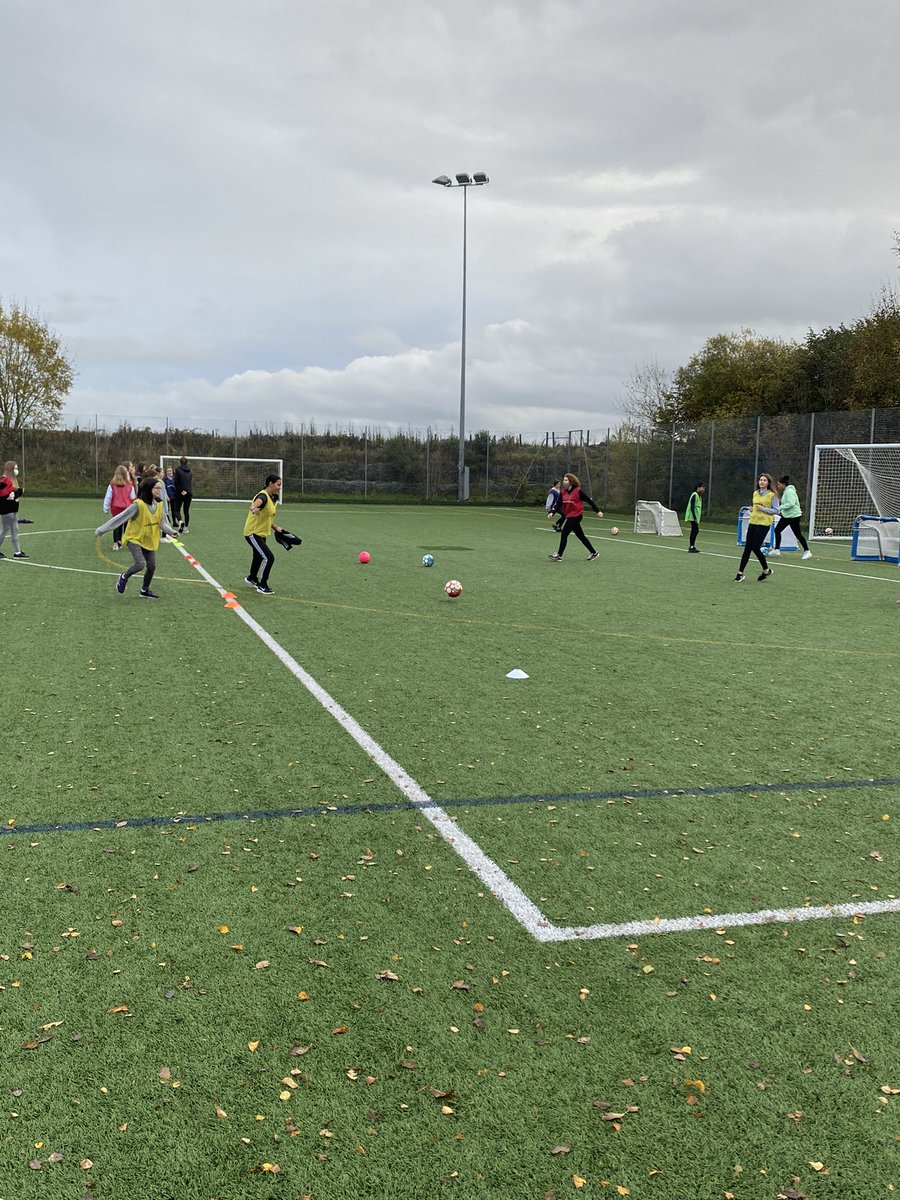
(763, 511)
(145, 519)
(10, 491)
(573, 498)
(119, 495)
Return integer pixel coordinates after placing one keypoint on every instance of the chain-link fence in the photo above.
(616, 467)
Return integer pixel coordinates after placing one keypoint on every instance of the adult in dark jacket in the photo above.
(184, 493)
(573, 498)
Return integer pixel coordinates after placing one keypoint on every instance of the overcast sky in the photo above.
(225, 207)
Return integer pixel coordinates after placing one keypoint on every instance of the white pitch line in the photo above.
(510, 895)
(654, 545)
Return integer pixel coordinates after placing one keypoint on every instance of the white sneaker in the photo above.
(806, 554)
(769, 553)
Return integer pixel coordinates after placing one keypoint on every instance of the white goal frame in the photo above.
(652, 517)
(172, 460)
(843, 465)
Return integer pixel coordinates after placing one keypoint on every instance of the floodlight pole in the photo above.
(463, 181)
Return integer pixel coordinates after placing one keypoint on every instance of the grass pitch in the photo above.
(236, 962)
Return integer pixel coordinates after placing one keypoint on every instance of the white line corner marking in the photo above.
(493, 877)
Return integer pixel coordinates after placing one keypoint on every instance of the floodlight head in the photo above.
(463, 178)
(480, 177)
(443, 180)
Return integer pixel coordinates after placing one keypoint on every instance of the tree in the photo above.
(35, 375)
(651, 398)
(857, 366)
(739, 375)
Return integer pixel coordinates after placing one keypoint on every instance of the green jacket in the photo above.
(694, 508)
(790, 502)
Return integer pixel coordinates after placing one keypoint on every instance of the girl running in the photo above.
(573, 498)
(146, 517)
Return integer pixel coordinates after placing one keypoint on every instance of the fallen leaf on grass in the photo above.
(578, 1181)
(262, 965)
(888, 1090)
(387, 975)
(118, 1008)
(561, 1150)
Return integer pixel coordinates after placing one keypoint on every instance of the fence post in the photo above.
(671, 464)
(756, 460)
(606, 472)
(96, 453)
(487, 464)
(809, 457)
(712, 443)
(302, 457)
(366, 463)
(637, 466)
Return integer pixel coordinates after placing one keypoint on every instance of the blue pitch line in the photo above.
(319, 810)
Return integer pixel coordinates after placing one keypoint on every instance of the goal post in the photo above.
(849, 480)
(234, 479)
(652, 517)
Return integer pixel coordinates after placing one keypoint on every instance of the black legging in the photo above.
(573, 525)
(792, 523)
(186, 509)
(144, 560)
(756, 535)
(695, 529)
(261, 554)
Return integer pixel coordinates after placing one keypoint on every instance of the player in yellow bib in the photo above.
(146, 517)
(258, 526)
(763, 511)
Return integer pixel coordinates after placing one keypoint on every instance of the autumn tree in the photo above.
(35, 374)
(739, 375)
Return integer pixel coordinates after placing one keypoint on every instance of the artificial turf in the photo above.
(327, 1002)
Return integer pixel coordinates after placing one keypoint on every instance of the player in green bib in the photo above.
(692, 513)
(258, 526)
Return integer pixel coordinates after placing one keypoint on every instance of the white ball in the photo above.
(427, 560)
(829, 532)
(614, 531)
(453, 588)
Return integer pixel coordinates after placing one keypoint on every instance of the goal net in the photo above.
(851, 480)
(226, 478)
(652, 517)
(876, 538)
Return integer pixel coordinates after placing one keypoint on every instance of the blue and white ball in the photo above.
(427, 560)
